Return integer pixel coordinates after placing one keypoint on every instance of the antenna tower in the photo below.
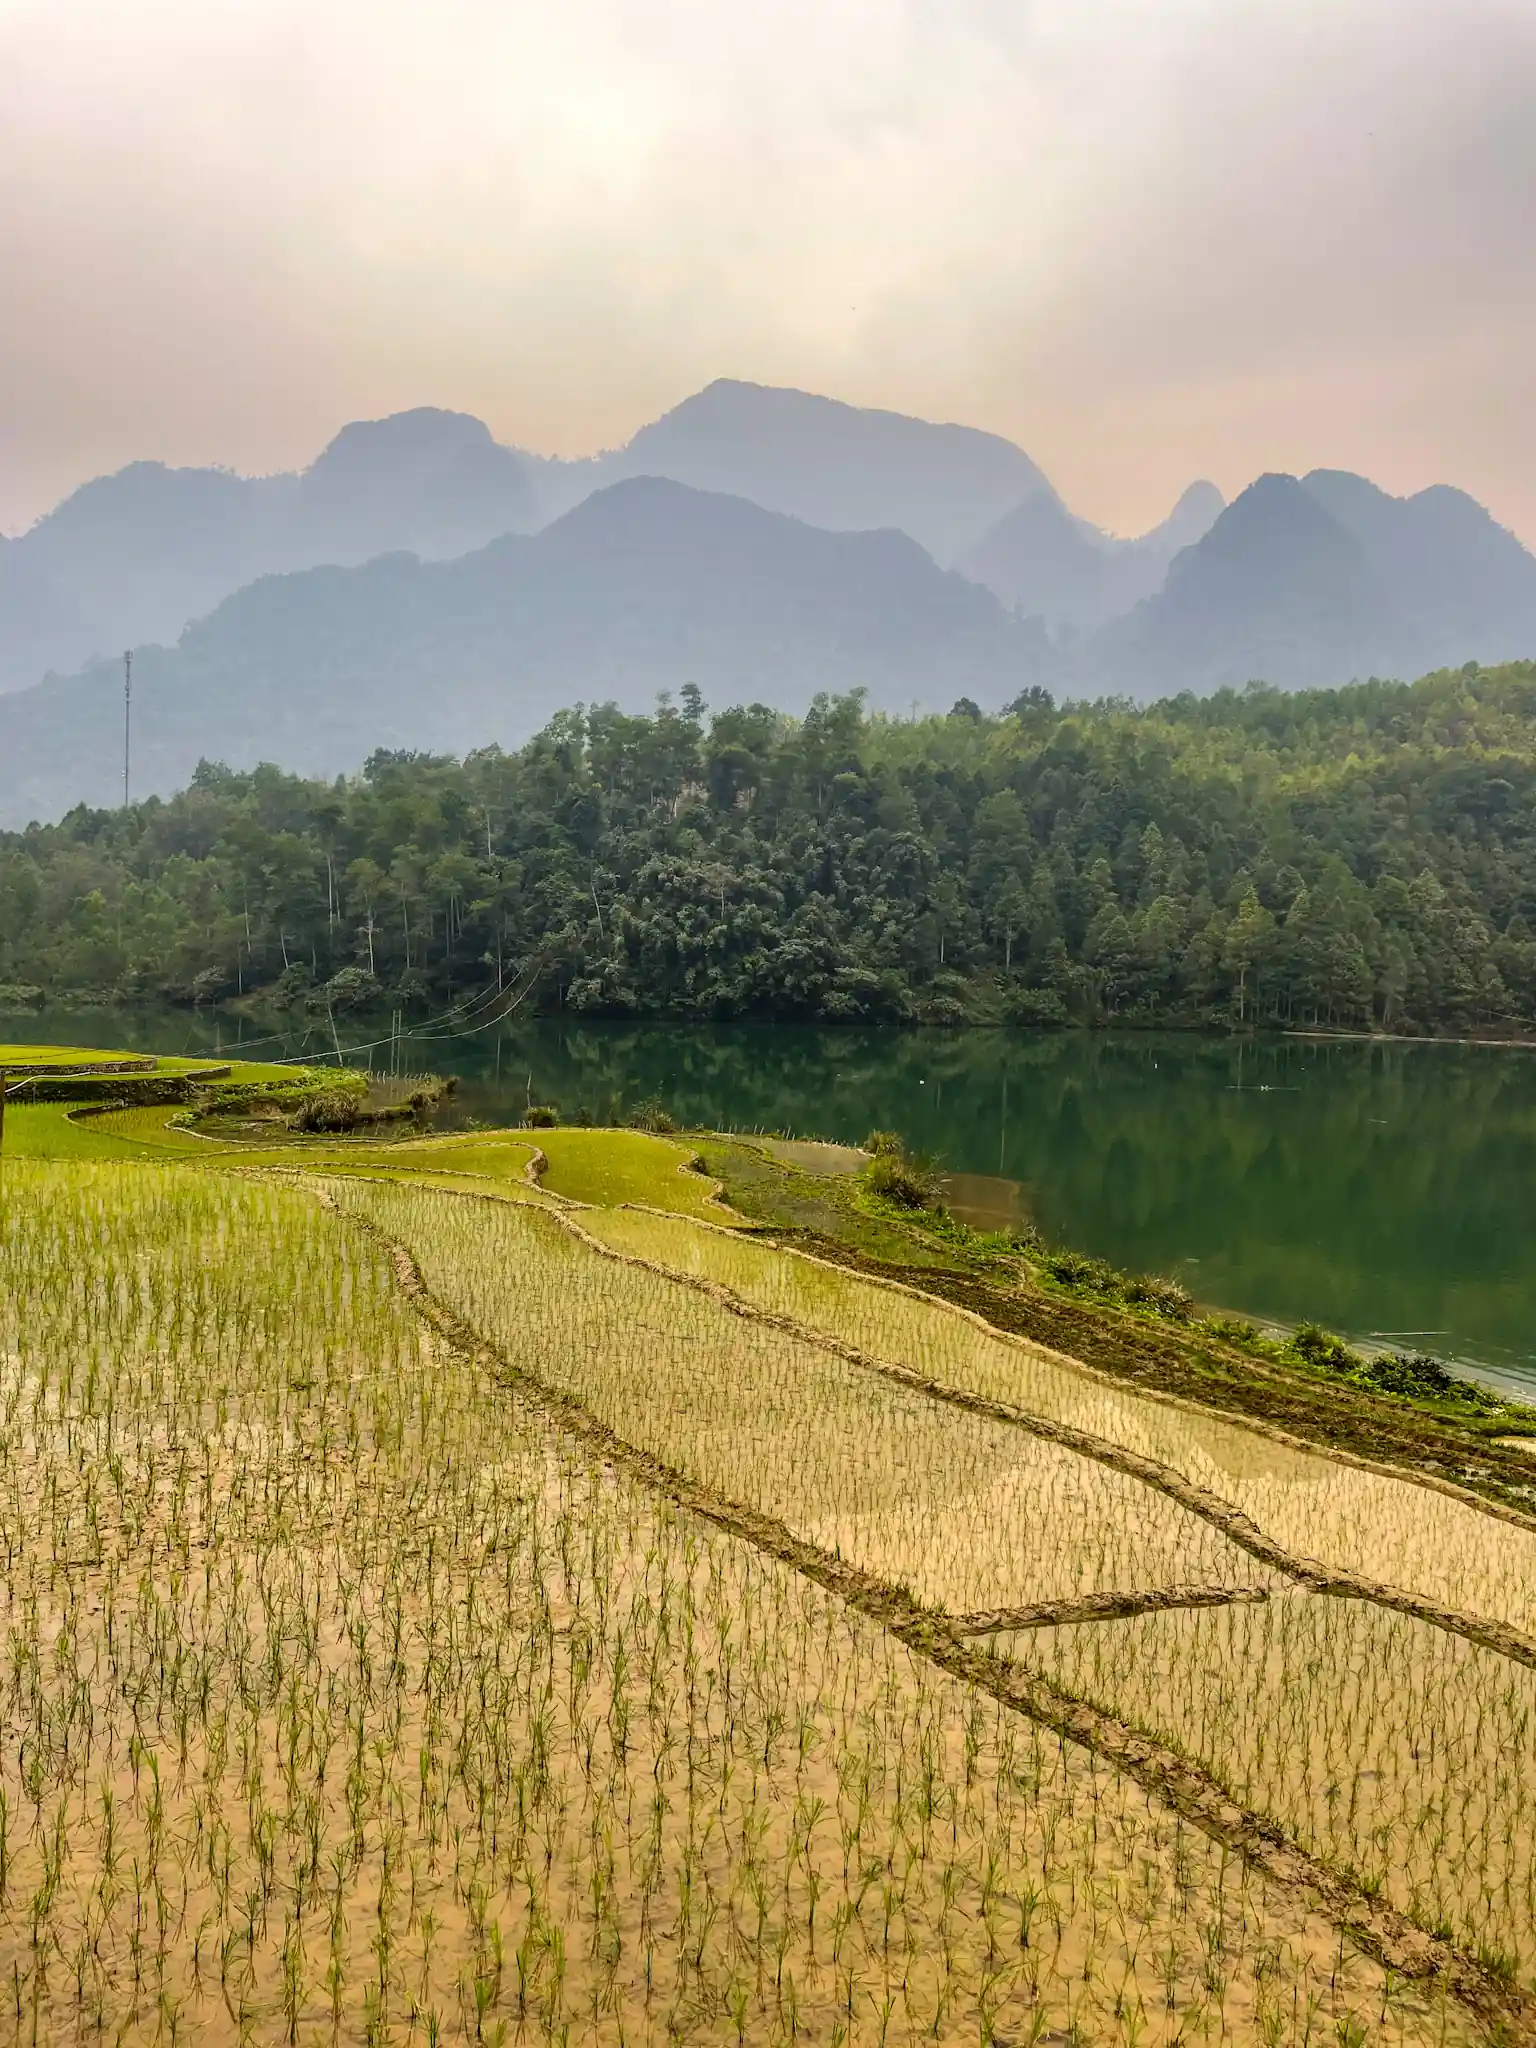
(127, 718)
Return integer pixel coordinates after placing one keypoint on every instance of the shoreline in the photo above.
(1404, 1038)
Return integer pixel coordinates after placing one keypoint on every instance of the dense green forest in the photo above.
(1347, 858)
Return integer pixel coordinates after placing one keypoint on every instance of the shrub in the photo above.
(652, 1116)
(329, 1109)
(209, 984)
(352, 989)
(1409, 1372)
(1232, 1329)
(1163, 1296)
(898, 1180)
(540, 1116)
(1041, 1007)
(19, 995)
(293, 984)
(1321, 1348)
(879, 1142)
(1076, 1269)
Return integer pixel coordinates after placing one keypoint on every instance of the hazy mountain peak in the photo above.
(1315, 581)
(1047, 563)
(432, 482)
(1199, 507)
(421, 438)
(645, 502)
(1268, 530)
(838, 466)
(138, 491)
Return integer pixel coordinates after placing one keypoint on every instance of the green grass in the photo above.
(17, 1058)
(606, 1168)
(771, 1191)
(242, 1073)
(493, 1153)
(58, 1130)
(492, 1158)
(46, 1130)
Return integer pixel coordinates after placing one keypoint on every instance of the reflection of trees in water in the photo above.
(1373, 1186)
(1382, 1186)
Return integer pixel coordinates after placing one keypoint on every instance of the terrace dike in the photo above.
(1386, 1933)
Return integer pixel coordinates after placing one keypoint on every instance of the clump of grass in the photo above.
(1077, 1269)
(652, 1115)
(329, 1110)
(899, 1180)
(1164, 1296)
(885, 1144)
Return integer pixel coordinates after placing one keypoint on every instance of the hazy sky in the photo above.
(1147, 239)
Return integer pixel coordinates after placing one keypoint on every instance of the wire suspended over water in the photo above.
(448, 1024)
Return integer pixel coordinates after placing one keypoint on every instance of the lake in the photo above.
(1383, 1189)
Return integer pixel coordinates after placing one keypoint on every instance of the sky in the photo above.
(1149, 240)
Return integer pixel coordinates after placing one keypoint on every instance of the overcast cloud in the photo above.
(1147, 239)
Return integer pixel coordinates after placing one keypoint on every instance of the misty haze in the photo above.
(768, 1023)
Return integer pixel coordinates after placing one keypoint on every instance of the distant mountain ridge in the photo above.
(847, 468)
(1045, 563)
(422, 575)
(644, 586)
(135, 556)
(1322, 579)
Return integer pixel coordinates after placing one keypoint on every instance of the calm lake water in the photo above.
(1385, 1190)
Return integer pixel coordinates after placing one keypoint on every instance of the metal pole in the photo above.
(127, 718)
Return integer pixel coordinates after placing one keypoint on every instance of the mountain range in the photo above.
(643, 586)
(422, 585)
(1048, 564)
(1321, 579)
(135, 556)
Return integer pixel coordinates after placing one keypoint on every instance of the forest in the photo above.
(1362, 858)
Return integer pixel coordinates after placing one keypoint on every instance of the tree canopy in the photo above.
(1346, 858)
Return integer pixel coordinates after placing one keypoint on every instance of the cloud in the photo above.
(1147, 238)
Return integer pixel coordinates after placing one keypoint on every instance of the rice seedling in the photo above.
(48, 1130)
(964, 1512)
(1387, 1747)
(1447, 1549)
(347, 1700)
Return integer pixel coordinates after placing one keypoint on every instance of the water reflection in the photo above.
(1381, 1188)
